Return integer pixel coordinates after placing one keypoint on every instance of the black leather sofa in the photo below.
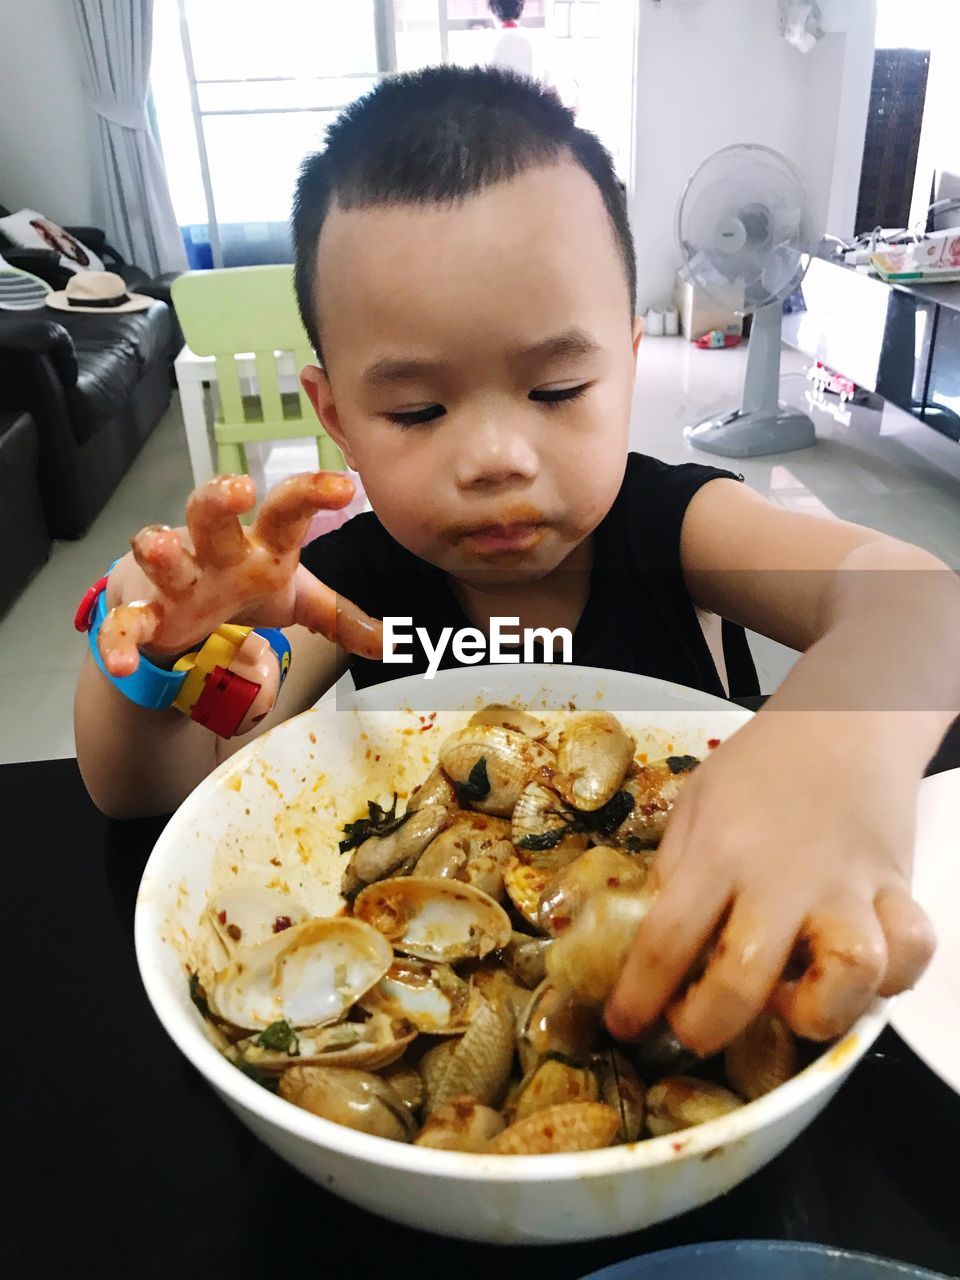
(96, 385)
(24, 537)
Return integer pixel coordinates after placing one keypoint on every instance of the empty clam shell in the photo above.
(762, 1057)
(430, 996)
(554, 1022)
(570, 1126)
(462, 1124)
(308, 975)
(588, 958)
(356, 1099)
(367, 1045)
(551, 1083)
(593, 757)
(678, 1102)
(568, 891)
(478, 1064)
(434, 919)
(379, 856)
(244, 915)
(489, 766)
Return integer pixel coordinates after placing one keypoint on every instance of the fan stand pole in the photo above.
(763, 425)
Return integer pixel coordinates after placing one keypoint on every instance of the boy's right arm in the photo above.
(136, 763)
(175, 589)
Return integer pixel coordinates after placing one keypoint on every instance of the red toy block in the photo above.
(225, 700)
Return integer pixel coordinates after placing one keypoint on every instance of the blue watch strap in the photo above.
(149, 686)
(280, 645)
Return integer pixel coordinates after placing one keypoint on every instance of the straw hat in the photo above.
(99, 292)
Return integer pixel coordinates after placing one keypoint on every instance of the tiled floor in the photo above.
(886, 471)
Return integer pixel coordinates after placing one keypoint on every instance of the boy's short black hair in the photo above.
(436, 136)
(507, 10)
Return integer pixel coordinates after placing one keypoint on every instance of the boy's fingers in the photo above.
(667, 944)
(219, 541)
(911, 940)
(124, 630)
(847, 955)
(743, 970)
(163, 558)
(288, 508)
(334, 616)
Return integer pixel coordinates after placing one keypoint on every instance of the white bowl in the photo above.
(265, 804)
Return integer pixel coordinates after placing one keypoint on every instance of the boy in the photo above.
(465, 271)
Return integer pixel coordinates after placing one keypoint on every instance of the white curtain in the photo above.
(116, 37)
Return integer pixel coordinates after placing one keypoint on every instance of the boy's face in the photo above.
(457, 340)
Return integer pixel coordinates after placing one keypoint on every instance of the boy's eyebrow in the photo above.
(571, 342)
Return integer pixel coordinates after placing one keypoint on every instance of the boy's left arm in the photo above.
(794, 840)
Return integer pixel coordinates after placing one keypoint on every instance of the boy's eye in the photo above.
(417, 416)
(559, 395)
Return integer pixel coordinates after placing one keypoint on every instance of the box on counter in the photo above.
(699, 314)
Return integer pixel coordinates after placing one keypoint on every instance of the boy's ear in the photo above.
(637, 334)
(317, 386)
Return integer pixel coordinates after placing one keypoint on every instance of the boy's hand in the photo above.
(179, 585)
(795, 840)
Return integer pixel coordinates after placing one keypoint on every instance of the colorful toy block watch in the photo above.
(227, 685)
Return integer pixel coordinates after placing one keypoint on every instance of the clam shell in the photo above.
(436, 789)
(440, 920)
(478, 1064)
(244, 915)
(498, 713)
(526, 958)
(369, 1045)
(539, 814)
(571, 1126)
(555, 1023)
(655, 788)
(379, 856)
(405, 1079)
(308, 975)
(678, 1102)
(511, 759)
(551, 1083)
(356, 1099)
(593, 757)
(526, 875)
(622, 1089)
(588, 958)
(762, 1057)
(462, 1124)
(661, 1052)
(568, 891)
(431, 997)
(474, 848)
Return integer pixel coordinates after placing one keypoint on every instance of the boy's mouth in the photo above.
(494, 539)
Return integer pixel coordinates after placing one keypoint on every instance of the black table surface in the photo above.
(119, 1161)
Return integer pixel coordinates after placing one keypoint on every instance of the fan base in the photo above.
(750, 435)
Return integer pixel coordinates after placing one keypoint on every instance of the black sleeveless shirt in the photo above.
(638, 617)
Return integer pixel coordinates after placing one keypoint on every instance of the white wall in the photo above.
(715, 72)
(49, 151)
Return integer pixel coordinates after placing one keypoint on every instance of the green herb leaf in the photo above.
(682, 764)
(608, 817)
(477, 785)
(381, 822)
(262, 1078)
(634, 844)
(542, 840)
(198, 995)
(281, 1037)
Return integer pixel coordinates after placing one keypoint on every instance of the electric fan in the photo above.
(745, 233)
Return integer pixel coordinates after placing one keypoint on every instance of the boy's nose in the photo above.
(494, 454)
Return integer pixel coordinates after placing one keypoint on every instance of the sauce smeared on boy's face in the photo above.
(481, 363)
